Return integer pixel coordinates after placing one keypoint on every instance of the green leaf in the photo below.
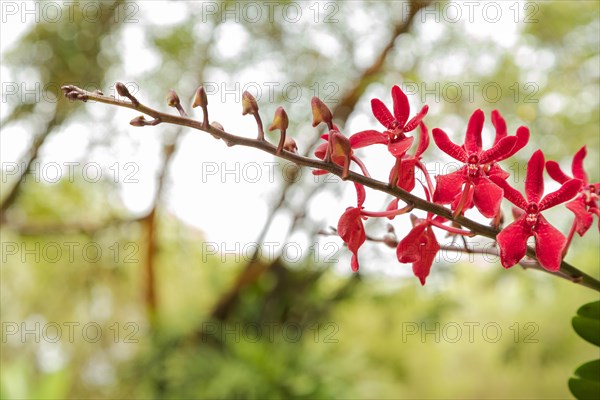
(589, 371)
(590, 310)
(587, 328)
(584, 389)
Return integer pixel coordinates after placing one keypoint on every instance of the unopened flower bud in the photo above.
(124, 92)
(290, 145)
(280, 120)
(67, 88)
(138, 121)
(217, 125)
(72, 95)
(390, 240)
(249, 104)
(122, 89)
(321, 113)
(200, 100)
(390, 229)
(173, 99)
(413, 219)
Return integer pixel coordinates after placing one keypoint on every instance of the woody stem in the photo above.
(575, 275)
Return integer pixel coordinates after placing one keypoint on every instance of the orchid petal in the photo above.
(577, 166)
(522, 140)
(473, 137)
(398, 148)
(354, 263)
(442, 141)
(583, 218)
(416, 120)
(381, 112)
(549, 244)
(401, 105)
(496, 170)
(534, 181)
(487, 197)
(499, 150)
(367, 138)
(500, 126)
(430, 248)
(510, 193)
(408, 250)
(556, 172)
(513, 242)
(351, 230)
(566, 192)
(406, 174)
(423, 140)
(448, 186)
(321, 150)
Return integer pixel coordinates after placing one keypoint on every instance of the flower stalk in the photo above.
(442, 214)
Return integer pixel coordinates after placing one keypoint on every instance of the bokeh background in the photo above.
(159, 263)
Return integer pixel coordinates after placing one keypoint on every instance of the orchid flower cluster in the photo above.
(479, 183)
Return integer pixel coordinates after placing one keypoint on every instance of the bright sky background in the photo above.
(234, 211)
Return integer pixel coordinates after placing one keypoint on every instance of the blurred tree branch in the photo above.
(341, 111)
(61, 68)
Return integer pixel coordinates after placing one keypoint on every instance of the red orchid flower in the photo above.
(351, 228)
(549, 242)
(479, 166)
(350, 225)
(396, 125)
(585, 205)
(419, 247)
(403, 172)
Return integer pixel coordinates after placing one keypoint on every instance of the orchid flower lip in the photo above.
(532, 213)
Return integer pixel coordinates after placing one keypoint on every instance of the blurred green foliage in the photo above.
(475, 331)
